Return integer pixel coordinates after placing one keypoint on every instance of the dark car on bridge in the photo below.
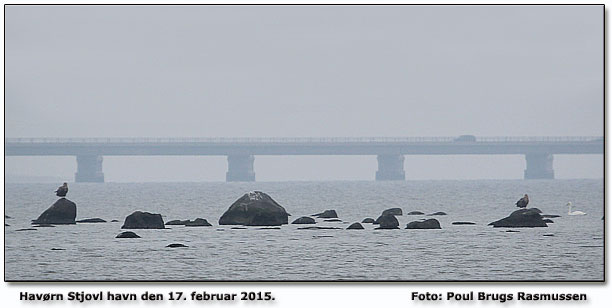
(466, 138)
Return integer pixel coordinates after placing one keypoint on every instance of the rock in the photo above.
(327, 214)
(269, 228)
(198, 222)
(114, 220)
(425, 224)
(512, 231)
(550, 216)
(523, 218)
(463, 223)
(176, 245)
(91, 220)
(7, 217)
(387, 222)
(319, 228)
(27, 229)
(437, 214)
(7, 225)
(255, 209)
(143, 220)
(127, 234)
(355, 226)
(548, 221)
(62, 212)
(58, 249)
(396, 211)
(368, 221)
(415, 213)
(177, 222)
(304, 221)
(548, 234)
(333, 220)
(44, 226)
(238, 228)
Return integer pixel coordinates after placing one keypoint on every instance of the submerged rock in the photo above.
(319, 228)
(327, 214)
(304, 221)
(176, 245)
(355, 226)
(523, 218)
(91, 220)
(437, 214)
(27, 229)
(255, 209)
(387, 222)
(425, 224)
(415, 213)
(127, 234)
(44, 226)
(198, 222)
(143, 220)
(550, 216)
(463, 223)
(62, 212)
(396, 211)
(368, 221)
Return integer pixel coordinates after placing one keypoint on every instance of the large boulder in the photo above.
(143, 220)
(425, 224)
(523, 218)
(62, 212)
(387, 222)
(304, 221)
(255, 209)
(396, 211)
(327, 214)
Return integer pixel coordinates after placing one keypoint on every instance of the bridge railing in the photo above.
(115, 140)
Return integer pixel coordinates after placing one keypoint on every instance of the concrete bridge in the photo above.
(240, 152)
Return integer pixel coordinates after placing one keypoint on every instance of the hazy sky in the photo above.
(133, 71)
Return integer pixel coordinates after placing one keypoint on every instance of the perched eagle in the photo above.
(522, 203)
(62, 190)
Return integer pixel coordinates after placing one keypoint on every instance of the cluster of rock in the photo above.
(259, 209)
(198, 222)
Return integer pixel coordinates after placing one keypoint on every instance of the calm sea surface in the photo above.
(456, 252)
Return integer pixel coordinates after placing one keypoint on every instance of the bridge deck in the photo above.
(304, 146)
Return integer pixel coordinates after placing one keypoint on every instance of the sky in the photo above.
(303, 71)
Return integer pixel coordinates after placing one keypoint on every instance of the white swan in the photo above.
(574, 213)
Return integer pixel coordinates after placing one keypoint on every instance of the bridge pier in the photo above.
(240, 168)
(390, 168)
(89, 169)
(539, 166)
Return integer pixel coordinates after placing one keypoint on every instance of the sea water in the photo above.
(571, 248)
